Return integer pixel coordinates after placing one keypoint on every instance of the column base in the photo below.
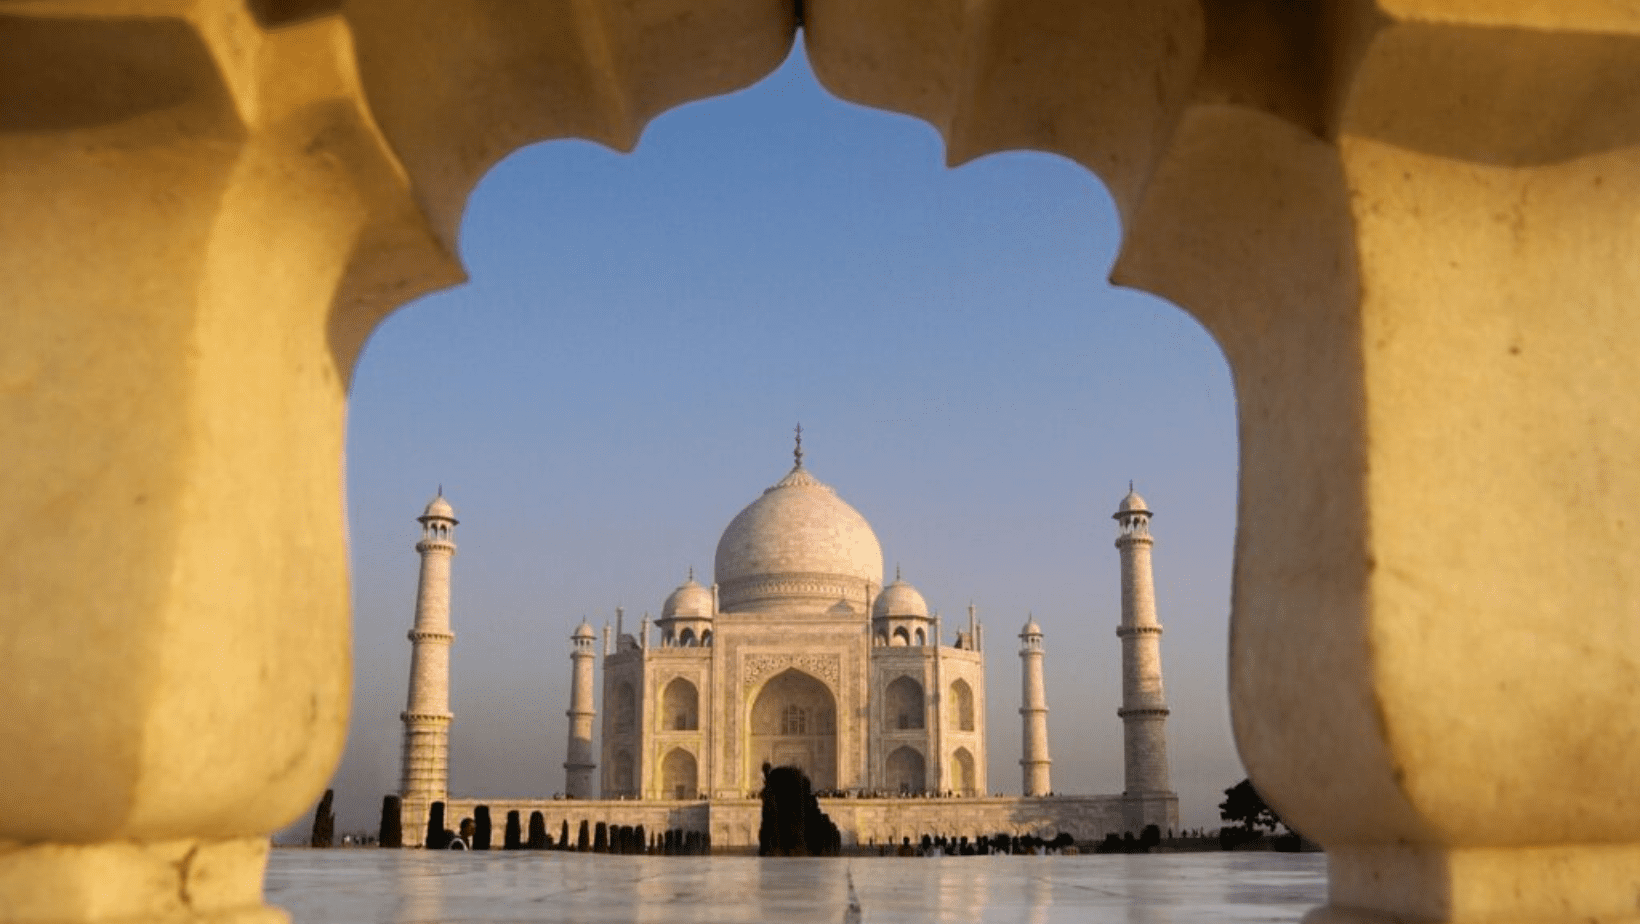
(126, 882)
(1591, 884)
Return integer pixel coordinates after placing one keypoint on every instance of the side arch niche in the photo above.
(905, 771)
(680, 706)
(678, 775)
(621, 775)
(962, 705)
(903, 705)
(794, 724)
(624, 708)
(962, 773)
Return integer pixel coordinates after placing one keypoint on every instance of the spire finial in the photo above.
(441, 489)
(1130, 485)
(896, 571)
(798, 452)
(691, 573)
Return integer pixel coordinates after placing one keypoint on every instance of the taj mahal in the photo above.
(798, 655)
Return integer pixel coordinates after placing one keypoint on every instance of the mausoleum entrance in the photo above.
(794, 724)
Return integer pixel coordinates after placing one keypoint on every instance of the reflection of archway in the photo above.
(678, 775)
(962, 773)
(794, 724)
(680, 707)
(622, 774)
(962, 705)
(903, 705)
(906, 771)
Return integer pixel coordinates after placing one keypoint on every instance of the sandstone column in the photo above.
(578, 762)
(424, 776)
(1033, 709)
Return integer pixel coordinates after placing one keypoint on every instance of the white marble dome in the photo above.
(899, 599)
(439, 507)
(799, 528)
(1132, 503)
(690, 599)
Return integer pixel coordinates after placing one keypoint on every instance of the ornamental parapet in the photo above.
(436, 545)
(1129, 631)
(426, 718)
(1144, 712)
(1134, 540)
(429, 635)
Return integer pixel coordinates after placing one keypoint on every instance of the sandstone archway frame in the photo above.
(1407, 223)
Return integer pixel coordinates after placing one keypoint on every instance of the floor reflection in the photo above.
(419, 887)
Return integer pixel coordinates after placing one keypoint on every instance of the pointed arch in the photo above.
(903, 705)
(679, 775)
(962, 705)
(963, 778)
(793, 723)
(680, 706)
(905, 771)
(625, 707)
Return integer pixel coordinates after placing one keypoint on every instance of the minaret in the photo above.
(578, 763)
(1034, 709)
(1144, 705)
(425, 768)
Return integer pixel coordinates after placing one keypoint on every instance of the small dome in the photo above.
(1132, 503)
(1031, 628)
(690, 599)
(583, 631)
(439, 507)
(899, 599)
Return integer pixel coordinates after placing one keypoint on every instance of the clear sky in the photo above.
(640, 333)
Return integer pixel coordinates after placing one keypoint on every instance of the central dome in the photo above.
(799, 543)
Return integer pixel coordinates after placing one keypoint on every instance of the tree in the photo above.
(391, 832)
(324, 822)
(1243, 806)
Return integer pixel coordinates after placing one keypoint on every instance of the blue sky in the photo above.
(640, 333)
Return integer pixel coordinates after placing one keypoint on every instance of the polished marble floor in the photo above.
(423, 887)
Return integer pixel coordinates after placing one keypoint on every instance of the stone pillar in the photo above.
(578, 762)
(1144, 703)
(1033, 708)
(424, 776)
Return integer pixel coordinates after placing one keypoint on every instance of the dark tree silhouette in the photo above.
(481, 828)
(1243, 806)
(513, 839)
(391, 832)
(792, 823)
(324, 822)
(438, 836)
(538, 831)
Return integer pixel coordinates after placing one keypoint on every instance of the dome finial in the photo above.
(691, 572)
(896, 571)
(798, 452)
